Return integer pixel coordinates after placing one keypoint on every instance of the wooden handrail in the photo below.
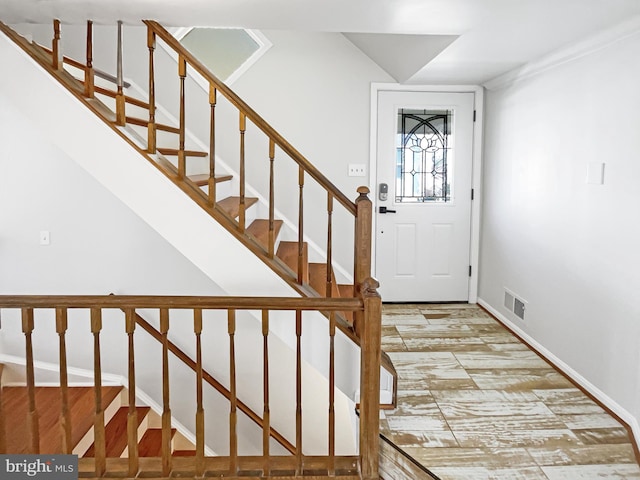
(256, 119)
(178, 302)
(207, 377)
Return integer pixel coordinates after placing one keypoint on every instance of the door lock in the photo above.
(386, 210)
(383, 191)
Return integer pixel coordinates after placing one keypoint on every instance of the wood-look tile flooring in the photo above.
(474, 402)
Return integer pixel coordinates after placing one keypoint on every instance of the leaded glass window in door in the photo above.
(423, 156)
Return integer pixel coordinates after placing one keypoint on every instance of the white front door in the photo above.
(424, 157)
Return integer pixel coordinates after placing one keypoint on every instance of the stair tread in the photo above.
(231, 205)
(113, 93)
(288, 253)
(48, 405)
(116, 432)
(188, 153)
(184, 453)
(202, 180)
(150, 444)
(260, 229)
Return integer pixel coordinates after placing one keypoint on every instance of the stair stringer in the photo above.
(59, 116)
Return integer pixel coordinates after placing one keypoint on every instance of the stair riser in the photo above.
(86, 442)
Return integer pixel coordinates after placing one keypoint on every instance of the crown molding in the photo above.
(567, 54)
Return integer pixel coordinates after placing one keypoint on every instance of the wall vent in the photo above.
(518, 308)
(508, 300)
(515, 305)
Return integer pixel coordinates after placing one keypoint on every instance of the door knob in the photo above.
(386, 210)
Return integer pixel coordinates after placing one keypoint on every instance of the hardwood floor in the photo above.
(474, 402)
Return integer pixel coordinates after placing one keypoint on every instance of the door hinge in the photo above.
(474, 115)
(469, 270)
(473, 192)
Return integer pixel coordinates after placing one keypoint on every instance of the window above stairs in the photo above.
(227, 52)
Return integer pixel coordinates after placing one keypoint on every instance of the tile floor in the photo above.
(474, 402)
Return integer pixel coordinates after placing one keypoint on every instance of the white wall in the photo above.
(314, 88)
(569, 248)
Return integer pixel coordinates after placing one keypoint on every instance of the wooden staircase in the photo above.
(82, 409)
(173, 159)
(165, 146)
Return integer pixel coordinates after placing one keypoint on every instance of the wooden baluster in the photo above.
(132, 415)
(301, 266)
(329, 291)
(182, 159)
(32, 414)
(98, 422)
(151, 128)
(272, 232)
(55, 46)
(362, 242)
(197, 327)
(120, 103)
(243, 128)
(332, 383)
(233, 438)
(65, 414)
(212, 145)
(266, 414)
(166, 409)
(370, 354)
(3, 436)
(299, 464)
(88, 71)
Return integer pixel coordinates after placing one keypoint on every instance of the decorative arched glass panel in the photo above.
(423, 158)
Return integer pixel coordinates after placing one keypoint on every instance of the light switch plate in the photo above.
(357, 169)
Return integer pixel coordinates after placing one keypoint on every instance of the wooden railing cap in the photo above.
(363, 190)
(370, 287)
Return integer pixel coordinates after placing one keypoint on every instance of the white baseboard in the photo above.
(594, 391)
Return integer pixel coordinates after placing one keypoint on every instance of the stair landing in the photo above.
(81, 405)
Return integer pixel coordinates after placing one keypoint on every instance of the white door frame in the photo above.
(476, 178)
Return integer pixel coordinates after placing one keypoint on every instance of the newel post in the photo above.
(370, 358)
(362, 245)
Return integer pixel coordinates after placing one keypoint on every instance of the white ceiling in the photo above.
(494, 36)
